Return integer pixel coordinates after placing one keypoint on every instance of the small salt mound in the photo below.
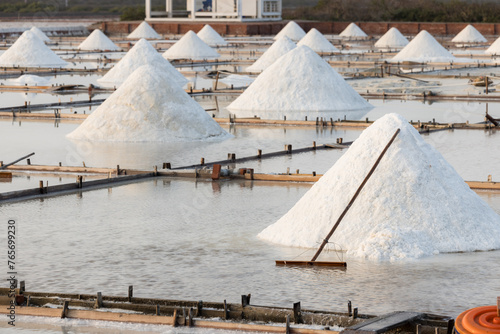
(30, 51)
(208, 35)
(392, 39)
(278, 49)
(30, 80)
(97, 41)
(424, 48)
(414, 205)
(40, 34)
(299, 81)
(144, 30)
(237, 80)
(353, 30)
(292, 30)
(143, 53)
(494, 49)
(317, 42)
(190, 46)
(149, 107)
(469, 35)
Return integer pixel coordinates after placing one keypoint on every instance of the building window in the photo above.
(271, 7)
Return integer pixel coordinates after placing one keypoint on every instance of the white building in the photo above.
(215, 10)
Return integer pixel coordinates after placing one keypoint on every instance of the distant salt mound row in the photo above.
(278, 49)
(424, 48)
(190, 46)
(144, 30)
(469, 35)
(414, 205)
(299, 81)
(30, 51)
(143, 53)
(97, 41)
(149, 107)
(293, 31)
(392, 39)
(40, 34)
(353, 31)
(494, 49)
(211, 37)
(30, 80)
(317, 42)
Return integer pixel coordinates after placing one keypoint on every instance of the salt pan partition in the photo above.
(143, 53)
(414, 205)
(300, 80)
(149, 107)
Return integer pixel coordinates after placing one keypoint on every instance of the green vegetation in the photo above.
(133, 14)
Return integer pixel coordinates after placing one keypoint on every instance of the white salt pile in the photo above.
(149, 107)
(392, 39)
(293, 31)
(299, 81)
(317, 42)
(353, 31)
(40, 34)
(414, 205)
(236, 80)
(144, 30)
(30, 80)
(494, 49)
(469, 35)
(208, 35)
(97, 41)
(278, 49)
(190, 46)
(30, 51)
(143, 53)
(424, 48)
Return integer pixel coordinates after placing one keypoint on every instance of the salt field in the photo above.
(417, 239)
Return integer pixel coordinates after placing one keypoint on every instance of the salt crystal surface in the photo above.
(424, 48)
(30, 51)
(353, 30)
(208, 35)
(278, 49)
(469, 35)
(317, 42)
(299, 81)
(144, 30)
(30, 80)
(143, 53)
(98, 41)
(414, 205)
(149, 107)
(293, 31)
(40, 34)
(392, 39)
(237, 80)
(494, 49)
(190, 46)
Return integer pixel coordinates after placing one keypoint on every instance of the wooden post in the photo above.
(65, 309)
(175, 319)
(314, 145)
(287, 331)
(226, 312)
(297, 314)
(216, 172)
(233, 157)
(314, 173)
(117, 170)
(130, 293)
(486, 83)
(355, 313)
(41, 186)
(245, 300)
(199, 308)
(28, 161)
(190, 317)
(498, 306)
(325, 241)
(418, 330)
(98, 301)
(202, 161)
(489, 178)
(216, 80)
(157, 309)
(349, 308)
(259, 154)
(22, 287)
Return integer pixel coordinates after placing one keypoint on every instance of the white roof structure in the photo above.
(276, 50)
(317, 42)
(30, 51)
(299, 81)
(149, 107)
(414, 205)
(190, 46)
(392, 39)
(143, 53)
(494, 48)
(97, 41)
(208, 35)
(292, 30)
(469, 35)
(424, 48)
(353, 31)
(40, 34)
(144, 30)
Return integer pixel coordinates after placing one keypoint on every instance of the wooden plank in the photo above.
(311, 263)
(60, 169)
(258, 328)
(386, 322)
